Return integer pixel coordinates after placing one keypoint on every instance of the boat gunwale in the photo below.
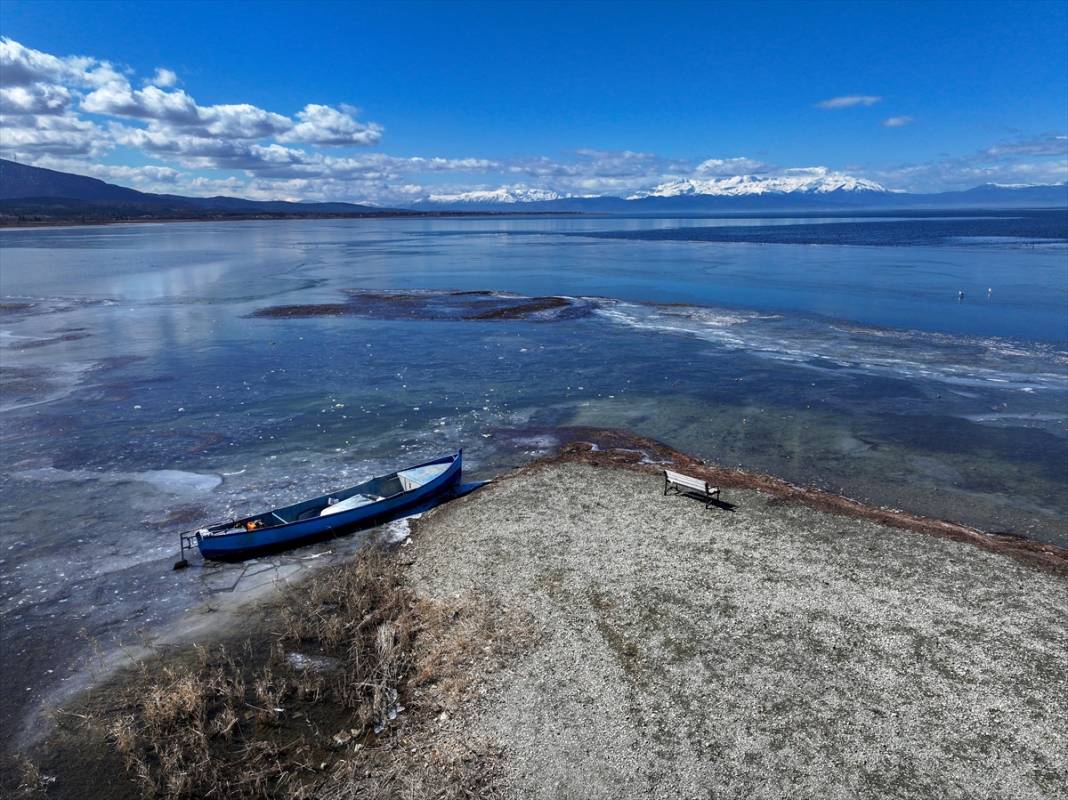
(222, 535)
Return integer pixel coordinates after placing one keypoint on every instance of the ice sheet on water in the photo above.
(986, 362)
(170, 481)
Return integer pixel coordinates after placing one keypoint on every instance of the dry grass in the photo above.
(363, 616)
(199, 731)
(370, 711)
(32, 783)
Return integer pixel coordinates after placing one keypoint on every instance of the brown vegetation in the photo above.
(476, 305)
(349, 689)
(301, 311)
(523, 308)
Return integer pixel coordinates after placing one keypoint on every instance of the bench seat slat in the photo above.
(690, 483)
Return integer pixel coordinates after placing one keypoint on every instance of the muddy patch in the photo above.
(439, 305)
(304, 311)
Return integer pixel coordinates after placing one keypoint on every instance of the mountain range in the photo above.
(34, 194)
(795, 190)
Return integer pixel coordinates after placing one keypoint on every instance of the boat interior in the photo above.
(362, 494)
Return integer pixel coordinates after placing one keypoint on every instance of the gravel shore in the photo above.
(766, 650)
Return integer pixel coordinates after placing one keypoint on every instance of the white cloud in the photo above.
(849, 101)
(243, 121)
(1036, 160)
(119, 99)
(23, 66)
(518, 193)
(177, 111)
(164, 78)
(22, 136)
(147, 177)
(451, 164)
(33, 82)
(331, 126)
(35, 98)
(208, 152)
(730, 166)
(897, 122)
(1045, 145)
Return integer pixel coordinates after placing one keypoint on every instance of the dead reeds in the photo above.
(314, 704)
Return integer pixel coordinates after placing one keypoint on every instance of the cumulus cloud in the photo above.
(163, 77)
(147, 177)
(242, 121)
(36, 98)
(24, 66)
(22, 136)
(331, 126)
(849, 101)
(119, 99)
(168, 120)
(897, 122)
(196, 150)
(1035, 160)
(730, 166)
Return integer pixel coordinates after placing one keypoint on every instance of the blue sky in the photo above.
(393, 101)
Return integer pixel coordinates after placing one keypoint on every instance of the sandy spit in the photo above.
(782, 645)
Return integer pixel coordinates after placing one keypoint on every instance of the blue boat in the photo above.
(358, 506)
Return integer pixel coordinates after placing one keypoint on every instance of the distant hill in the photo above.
(27, 191)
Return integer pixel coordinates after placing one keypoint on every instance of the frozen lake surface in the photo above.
(155, 377)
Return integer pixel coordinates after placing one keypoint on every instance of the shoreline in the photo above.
(608, 452)
(625, 450)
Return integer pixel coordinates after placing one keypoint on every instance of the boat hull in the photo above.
(241, 545)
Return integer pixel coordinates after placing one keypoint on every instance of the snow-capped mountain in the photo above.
(807, 187)
(504, 194)
(815, 180)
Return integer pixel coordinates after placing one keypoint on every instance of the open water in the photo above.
(154, 377)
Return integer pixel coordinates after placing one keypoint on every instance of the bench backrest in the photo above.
(686, 480)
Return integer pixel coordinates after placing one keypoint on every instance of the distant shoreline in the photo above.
(28, 220)
(93, 221)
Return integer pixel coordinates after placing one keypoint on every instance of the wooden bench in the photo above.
(683, 484)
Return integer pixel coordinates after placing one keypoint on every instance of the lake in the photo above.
(158, 376)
